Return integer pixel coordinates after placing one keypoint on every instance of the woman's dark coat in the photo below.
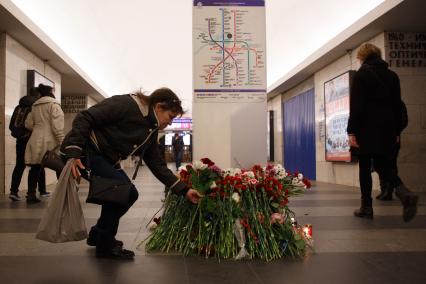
(375, 107)
(120, 126)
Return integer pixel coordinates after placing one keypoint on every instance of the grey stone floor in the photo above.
(347, 249)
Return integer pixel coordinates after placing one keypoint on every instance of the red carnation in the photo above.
(207, 161)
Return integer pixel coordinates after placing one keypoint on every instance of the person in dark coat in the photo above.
(178, 149)
(22, 135)
(386, 189)
(374, 127)
(109, 132)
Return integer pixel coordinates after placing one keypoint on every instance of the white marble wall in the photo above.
(412, 156)
(276, 105)
(18, 60)
(2, 112)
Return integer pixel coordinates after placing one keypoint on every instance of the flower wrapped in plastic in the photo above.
(243, 214)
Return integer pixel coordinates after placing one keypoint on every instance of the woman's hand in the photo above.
(193, 196)
(75, 168)
(353, 142)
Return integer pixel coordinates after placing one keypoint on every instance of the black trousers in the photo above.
(107, 225)
(19, 169)
(37, 175)
(383, 166)
(394, 167)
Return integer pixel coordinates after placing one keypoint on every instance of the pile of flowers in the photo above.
(243, 214)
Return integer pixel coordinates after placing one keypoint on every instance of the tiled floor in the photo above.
(347, 249)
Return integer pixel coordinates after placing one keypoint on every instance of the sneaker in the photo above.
(15, 197)
(44, 194)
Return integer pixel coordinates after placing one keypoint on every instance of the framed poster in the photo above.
(34, 79)
(336, 99)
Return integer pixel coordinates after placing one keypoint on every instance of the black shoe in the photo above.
(115, 253)
(386, 196)
(32, 200)
(92, 241)
(364, 212)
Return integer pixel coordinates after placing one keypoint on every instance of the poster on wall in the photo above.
(229, 49)
(34, 79)
(336, 98)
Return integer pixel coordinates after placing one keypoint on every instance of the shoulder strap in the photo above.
(88, 168)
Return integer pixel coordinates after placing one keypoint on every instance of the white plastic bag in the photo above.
(63, 219)
(241, 239)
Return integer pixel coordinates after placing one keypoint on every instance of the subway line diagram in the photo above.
(229, 49)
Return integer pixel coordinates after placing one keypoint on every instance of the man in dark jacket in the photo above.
(22, 135)
(374, 127)
(178, 149)
(111, 131)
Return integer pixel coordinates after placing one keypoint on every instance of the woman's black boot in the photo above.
(387, 191)
(366, 210)
(409, 202)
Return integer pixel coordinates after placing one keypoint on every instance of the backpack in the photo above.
(17, 122)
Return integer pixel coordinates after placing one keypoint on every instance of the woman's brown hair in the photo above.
(368, 50)
(167, 99)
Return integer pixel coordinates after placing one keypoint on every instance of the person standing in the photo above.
(22, 135)
(386, 190)
(178, 149)
(46, 121)
(109, 132)
(374, 126)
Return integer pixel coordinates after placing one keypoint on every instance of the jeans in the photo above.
(107, 224)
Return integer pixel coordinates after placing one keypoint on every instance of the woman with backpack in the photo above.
(46, 121)
(22, 135)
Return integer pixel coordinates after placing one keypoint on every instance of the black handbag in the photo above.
(104, 190)
(52, 160)
(107, 190)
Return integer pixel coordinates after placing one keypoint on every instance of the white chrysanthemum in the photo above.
(300, 176)
(226, 172)
(278, 168)
(152, 226)
(182, 168)
(232, 172)
(250, 174)
(236, 197)
(281, 174)
(198, 165)
(213, 185)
